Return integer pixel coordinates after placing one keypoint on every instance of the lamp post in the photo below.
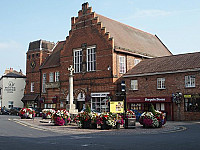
(177, 98)
(123, 89)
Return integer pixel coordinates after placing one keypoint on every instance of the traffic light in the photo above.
(123, 86)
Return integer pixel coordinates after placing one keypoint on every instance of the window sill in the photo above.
(190, 87)
(133, 89)
(161, 88)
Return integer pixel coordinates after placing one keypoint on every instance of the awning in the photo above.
(30, 97)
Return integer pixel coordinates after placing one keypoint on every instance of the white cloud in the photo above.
(9, 46)
(151, 13)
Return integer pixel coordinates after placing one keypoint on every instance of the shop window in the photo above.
(122, 64)
(91, 59)
(51, 77)
(160, 83)
(192, 104)
(50, 106)
(134, 84)
(100, 104)
(57, 75)
(190, 81)
(61, 105)
(10, 104)
(136, 106)
(77, 61)
(160, 106)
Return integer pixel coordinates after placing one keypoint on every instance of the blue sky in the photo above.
(175, 22)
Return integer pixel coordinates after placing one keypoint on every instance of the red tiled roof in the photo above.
(135, 40)
(54, 59)
(167, 64)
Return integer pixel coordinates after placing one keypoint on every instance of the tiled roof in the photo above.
(14, 75)
(132, 39)
(54, 59)
(167, 64)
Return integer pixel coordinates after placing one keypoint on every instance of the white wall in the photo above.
(13, 90)
(1, 88)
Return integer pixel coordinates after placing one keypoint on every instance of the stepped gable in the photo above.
(54, 59)
(175, 63)
(124, 38)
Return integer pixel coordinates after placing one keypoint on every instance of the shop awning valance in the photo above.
(30, 97)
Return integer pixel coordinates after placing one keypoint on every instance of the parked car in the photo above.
(4, 111)
(15, 111)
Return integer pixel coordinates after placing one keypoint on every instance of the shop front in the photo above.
(142, 104)
(100, 101)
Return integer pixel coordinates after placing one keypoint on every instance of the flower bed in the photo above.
(148, 119)
(48, 113)
(61, 117)
(109, 120)
(27, 113)
(86, 120)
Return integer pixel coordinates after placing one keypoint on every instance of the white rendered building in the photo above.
(12, 87)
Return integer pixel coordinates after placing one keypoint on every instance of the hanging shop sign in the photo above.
(117, 107)
(100, 94)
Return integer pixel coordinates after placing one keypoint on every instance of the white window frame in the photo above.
(51, 77)
(32, 86)
(91, 58)
(160, 83)
(44, 79)
(136, 61)
(78, 58)
(190, 81)
(134, 84)
(57, 76)
(122, 64)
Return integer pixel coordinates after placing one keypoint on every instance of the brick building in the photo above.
(158, 80)
(101, 51)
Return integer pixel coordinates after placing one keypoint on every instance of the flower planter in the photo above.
(59, 121)
(130, 123)
(93, 126)
(104, 126)
(117, 126)
(86, 124)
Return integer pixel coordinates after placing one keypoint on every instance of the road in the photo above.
(14, 136)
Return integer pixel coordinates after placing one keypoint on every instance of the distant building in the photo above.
(171, 84)
(12, 85)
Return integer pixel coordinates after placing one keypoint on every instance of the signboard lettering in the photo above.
(10, 88)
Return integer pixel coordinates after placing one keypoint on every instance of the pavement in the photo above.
(45, 125)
